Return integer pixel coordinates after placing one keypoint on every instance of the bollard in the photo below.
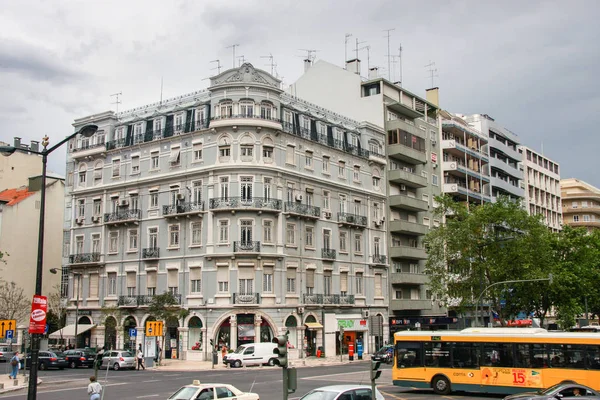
(15, 382)
(1, 386)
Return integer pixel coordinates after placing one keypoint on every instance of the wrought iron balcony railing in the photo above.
(151, 252)
(352, 219)
(244, 203)
(246, 247)
(331, 299)
(245, 116)
(328, 254)
(136, 301)
(183, 208)
(246, 298)
(379, 259)
(88, 146)
(84, 258)
(126, 215)
(303, 209)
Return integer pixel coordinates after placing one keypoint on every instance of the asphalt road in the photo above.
(266, 381)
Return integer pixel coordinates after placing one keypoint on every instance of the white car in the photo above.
(211, 391)
(342, 392)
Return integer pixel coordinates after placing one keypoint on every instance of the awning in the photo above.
(313, 325)
(69, 331)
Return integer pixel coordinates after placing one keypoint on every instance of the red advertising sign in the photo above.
(434, 157)
(37, 318)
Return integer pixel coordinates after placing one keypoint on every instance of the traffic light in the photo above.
(375, 372)
(281, 350)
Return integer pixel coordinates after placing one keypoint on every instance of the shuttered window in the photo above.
(151, 279)
(223, 279)
(378, 286)
(93, 285)
(195, 280)
(310, 278)
(268, 279)
(172, 279)
(289, 155)
(131, 283)
(343, 283)
(291, 280)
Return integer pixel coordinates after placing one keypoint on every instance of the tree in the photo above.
(57, 310)
(165, 307)
(13, 303)
(482, 245)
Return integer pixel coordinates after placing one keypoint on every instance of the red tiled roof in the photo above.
(13, 196)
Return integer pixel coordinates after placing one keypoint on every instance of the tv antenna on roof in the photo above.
(117, 101)
(271, 63)
(346, 48)
(432, 71)
(233, 46)
(218, 67)
(357, 49)
(241, 60)
(400, 60)
(310, 54)
(389, 55)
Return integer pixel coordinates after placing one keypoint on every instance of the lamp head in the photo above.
(53, 270)
(88, 130)
(7, 151)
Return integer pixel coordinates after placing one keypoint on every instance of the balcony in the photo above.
(404, 177)
(416, 253)
(246, 247)
(408, 203)
(585, 224)
(352, 220)
(328, 254)
(244, 203)
(85, 258)
(403, 304)
(411, 228)
(88, 150)
(246, 298)
(376, 157)
(183, 209)
(379, 259)
(245, 120)
(328, 299)
(137, 301)
(123, 217)
(150, 253)
(406, 154)
(405, 278)
(304, 210)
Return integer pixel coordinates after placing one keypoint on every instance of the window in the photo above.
(153, 199)
(112, 284)
(343, 283)
(326, 239)
(342, 203)
(133, 239)
(223, 231)
(343, 241)
(308, 164)
(574, 204)
(174, 192)
(586, 218)
(356, 173)
(174, 235)
(359, 283)
(376, 182)
(95, 243)
(575, 218)
(584, 204)
(327, 283)
(113, 242)
(245, 286)
(173, 281)
(268, 153)
(197, 192)
(175, 156)
(158, 126)
(378, 285)
(226, 109)
(434, 180)
(325, 164)
(135, 165)
(247, 152)
(342, 169)
(291, 280)
(81, 208)
(195, 280)
(267, 188)
(326, 197)
(134, 202)
(82, 175)
(178, 123)
(289, 155)
(374, 147)
(268, 279)
(116, 168)
(93, 286)
(98, 173)
(310, 281)
(309, 198)
(266, 111)
(196, 229)
(97, 210)
(246, 108)
(224, 153)
(290, 237)
(224, 187)
(376, 212)
(131, 280)
(268, 231)
(153, 238)
(376, 246)
(197, 149)
(246, 188)
(223, 279)
(79, 245)
(310, 231)
(246, 232)
(290, 192)
(357, 243)
(154, 160)
(151, 283)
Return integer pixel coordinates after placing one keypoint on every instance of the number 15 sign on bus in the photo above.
(37, 318)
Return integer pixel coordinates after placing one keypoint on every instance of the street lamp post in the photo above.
(87, 131)
(549, 278)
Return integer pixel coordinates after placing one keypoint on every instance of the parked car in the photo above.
(335, 392)
(47, 360)
(117, 359)
(80, 358)
(252, 354)
(210, 391)
(6, 353)
(385, 354)
(563, 391)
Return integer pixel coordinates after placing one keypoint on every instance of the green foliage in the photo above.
(164, 306)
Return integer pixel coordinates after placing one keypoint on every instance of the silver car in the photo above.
(6, 353)
(565, 390)
(118, 359)
(342, 392)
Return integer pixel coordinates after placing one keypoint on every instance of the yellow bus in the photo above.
(495, 360)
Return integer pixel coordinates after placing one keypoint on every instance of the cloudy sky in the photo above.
(528, 64)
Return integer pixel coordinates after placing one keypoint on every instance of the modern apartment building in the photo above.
(414, 173)
(260, 212)
(542, 187)
(580, 204)
(506, 174)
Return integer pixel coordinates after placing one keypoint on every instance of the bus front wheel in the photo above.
(440, 384)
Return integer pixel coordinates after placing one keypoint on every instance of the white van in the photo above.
(252, 354)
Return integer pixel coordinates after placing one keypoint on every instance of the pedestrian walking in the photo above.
(94, 389)
(140, 359)
(14, 364)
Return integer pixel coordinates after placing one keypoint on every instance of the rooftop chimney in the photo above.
(35, 145)
(307, 64)
(433, 96)
(17, 142)
(353, 66)
(373, 73)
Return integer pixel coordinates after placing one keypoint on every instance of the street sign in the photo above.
(154, 328)
(47, 328)
(132, 332)
(10, 334)
(7, 325)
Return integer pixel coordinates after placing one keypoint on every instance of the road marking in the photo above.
(67, 389)
(150, 395)
(392, 395)
(153, 380)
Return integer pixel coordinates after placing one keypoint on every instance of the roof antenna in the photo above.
(161, 89)
(310, 54)
(346, 48)
(357, 49)
(271, 63)
(117, 101)
(218, 67)
(389, 55)
(432, 71)
(241, 60)
(233, 46)
(400, 58)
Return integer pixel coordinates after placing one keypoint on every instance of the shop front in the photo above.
(351, 331)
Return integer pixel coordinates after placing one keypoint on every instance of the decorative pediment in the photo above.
(246, 73)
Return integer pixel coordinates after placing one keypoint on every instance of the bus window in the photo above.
(465, 355)
(593, 357)
(408, 354)
(557, 356)
(523, 356)
(540, 355)
(574, 356)
(497, 355)
(437, 354)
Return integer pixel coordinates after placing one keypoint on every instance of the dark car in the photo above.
(47, 360)
(80, 358)
(385, 354)
(563, 391)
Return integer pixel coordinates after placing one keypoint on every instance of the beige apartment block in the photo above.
(16, 169)
(581, 204)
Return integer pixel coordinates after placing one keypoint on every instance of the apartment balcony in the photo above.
(401, 278)
(246, 299)
(506, 167)
(123, 217)
(508, 187)
(115, 144)
(246, 120)
(88, 150)
(246, 247)
(403, 304)
(411, 228)
(379, 259)
(378, 158)
(407, 203)
(585, 224)
(403, 177)
(302, 210)
(352, 220)
(85, 259)
(328, 299)
(151, 253)
(406, 154)
(244, 203)
(460, 189)
(582, 196)
(407, 110)
(580, 210)
(183, 209)
(415, 253)
(328, 254)
(137, 301)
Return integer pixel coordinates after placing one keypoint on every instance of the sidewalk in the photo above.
(10, 385)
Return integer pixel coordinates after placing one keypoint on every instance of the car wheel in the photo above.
(272, 362)
(72, 364)
(116, 366)
(43, 366)
(441, 385)
(237, 363)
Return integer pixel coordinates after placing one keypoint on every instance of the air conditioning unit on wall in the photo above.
(365, 313)
(299, 197)
(124, 203)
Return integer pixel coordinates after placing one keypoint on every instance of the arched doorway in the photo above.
(110, 333)
(172, 338)
(83, 339)
(292, 330)
(311, 337)
(128, 341)
(195, 334)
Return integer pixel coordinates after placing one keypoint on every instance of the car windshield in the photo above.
(550, 389)
(240, 350)
(185, 393)
(319, 395)
(126, 354)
